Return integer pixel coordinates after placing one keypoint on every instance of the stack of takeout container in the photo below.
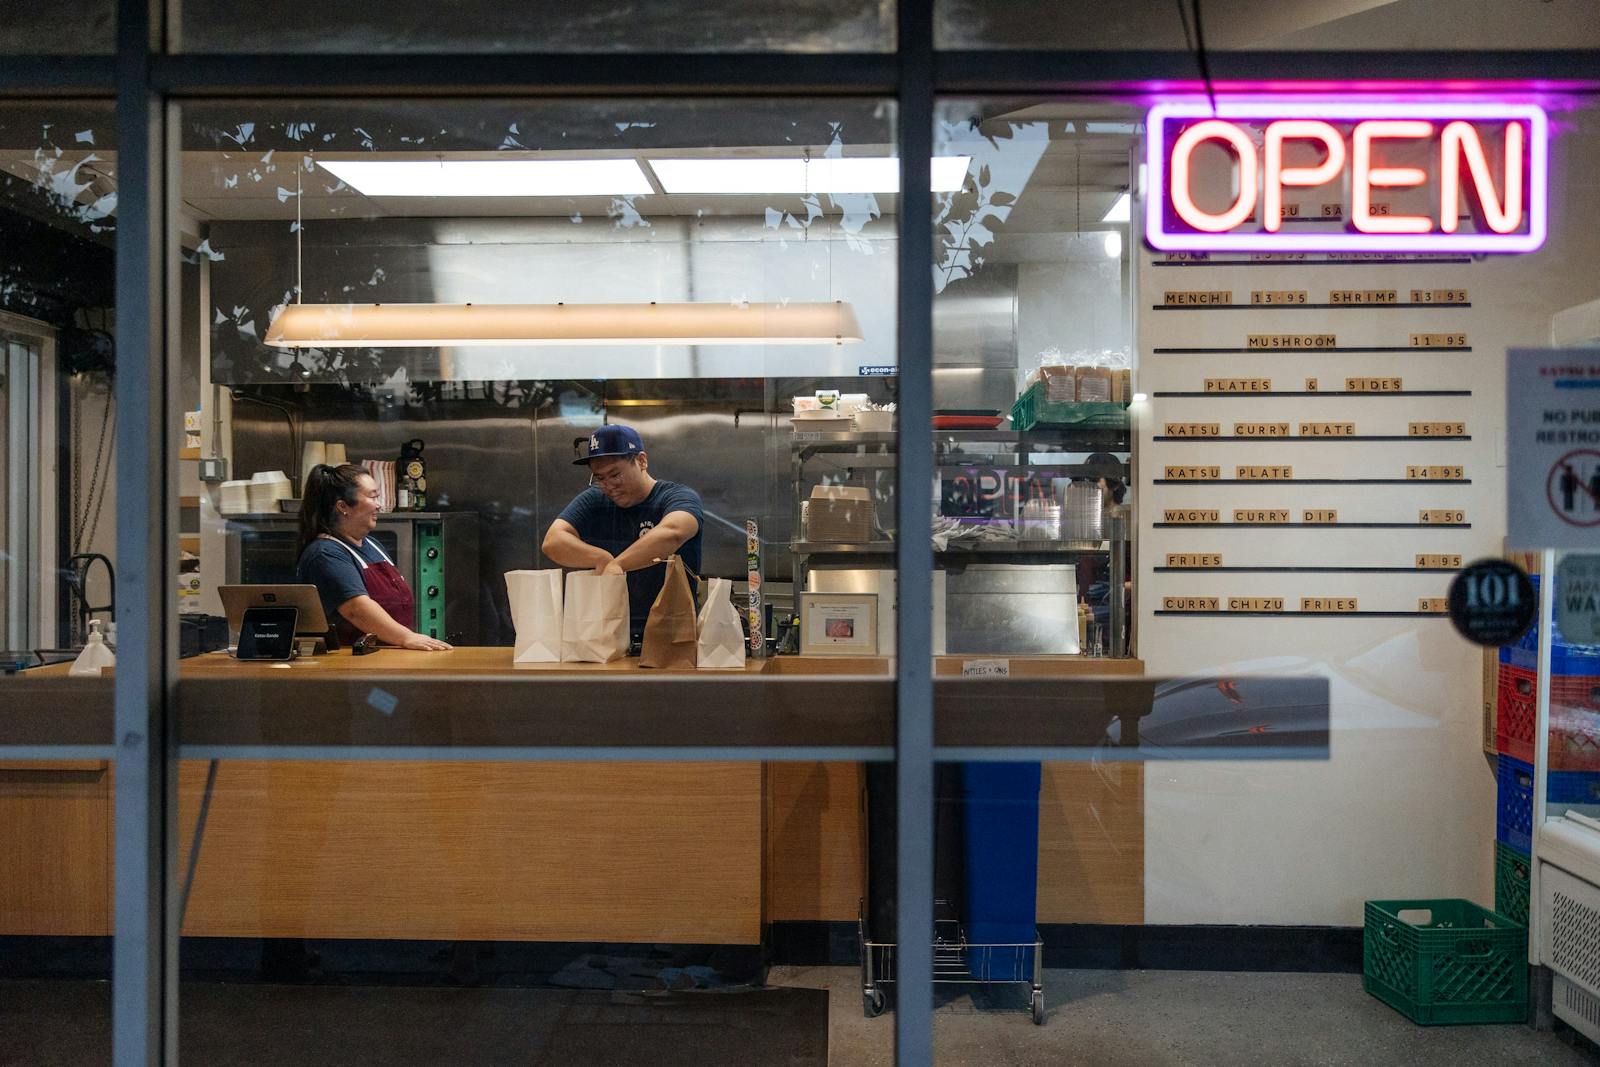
(266, 488)
(837, 513)
(235, 498)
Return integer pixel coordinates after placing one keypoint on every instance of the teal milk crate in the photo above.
(1511, 882)
(1033, 411)
(1445, 961)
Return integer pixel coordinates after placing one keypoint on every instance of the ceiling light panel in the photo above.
(491, 177)
(796, 177)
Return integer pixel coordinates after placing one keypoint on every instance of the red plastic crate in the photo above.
(1516, 705)
(1575, 722)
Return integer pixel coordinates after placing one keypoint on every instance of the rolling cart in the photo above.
(955, 961)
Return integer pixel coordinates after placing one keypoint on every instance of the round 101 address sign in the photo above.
(1492, 602)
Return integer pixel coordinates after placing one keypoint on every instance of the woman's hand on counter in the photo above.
(421, 643)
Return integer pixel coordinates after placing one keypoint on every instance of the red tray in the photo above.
(967, 422)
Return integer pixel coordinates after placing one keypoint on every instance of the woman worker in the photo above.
(361, 589)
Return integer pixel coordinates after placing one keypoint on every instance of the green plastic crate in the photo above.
(1511, 882)
(1031, 410)
(1446, 961)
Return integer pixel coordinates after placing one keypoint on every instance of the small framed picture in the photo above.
(839, 624)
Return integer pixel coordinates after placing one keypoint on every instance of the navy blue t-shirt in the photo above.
(329, 566)
(601, 523)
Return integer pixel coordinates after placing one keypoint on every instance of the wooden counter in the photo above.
(503, 849)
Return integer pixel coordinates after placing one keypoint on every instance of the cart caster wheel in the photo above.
(1038, 1007)
(872, 1004)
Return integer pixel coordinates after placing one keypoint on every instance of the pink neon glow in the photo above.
(1459, 137)
(1365, 175)
(1163, 234)
(1183, 150)
(1277, 175)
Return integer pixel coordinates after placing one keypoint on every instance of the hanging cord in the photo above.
(299, 237)
(85, 525)
(288, 414)
(1196, 40)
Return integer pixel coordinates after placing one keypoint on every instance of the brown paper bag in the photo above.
(669, 633)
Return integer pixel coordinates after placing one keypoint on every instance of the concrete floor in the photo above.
(1178, 1018)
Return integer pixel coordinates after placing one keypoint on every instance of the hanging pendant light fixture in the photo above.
(300, 325)
(450, 325)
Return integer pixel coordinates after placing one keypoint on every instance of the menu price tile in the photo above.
(1435, 474)
(1190, 603)
(1329, 604)
(1194, 560)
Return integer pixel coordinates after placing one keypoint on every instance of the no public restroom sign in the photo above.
(1553, 448)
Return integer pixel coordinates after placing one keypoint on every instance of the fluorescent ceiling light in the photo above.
(1119, 210)
(779, 177)
(451, 325)
(491, 177)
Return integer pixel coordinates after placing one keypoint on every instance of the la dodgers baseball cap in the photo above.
(611, 440)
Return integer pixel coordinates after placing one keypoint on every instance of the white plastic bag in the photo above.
(536, 613)
(594, 619)
(721, 639)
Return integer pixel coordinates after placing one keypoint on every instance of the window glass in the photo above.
(1316, 451)
(1266, 25)
(621, 331)
(31, 30)
(58, 185)
(368, 27)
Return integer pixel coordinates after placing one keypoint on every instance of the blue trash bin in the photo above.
(1000, 807)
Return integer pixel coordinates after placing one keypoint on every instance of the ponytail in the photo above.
(325, 487)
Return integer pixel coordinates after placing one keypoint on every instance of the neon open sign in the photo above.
(1382, 177)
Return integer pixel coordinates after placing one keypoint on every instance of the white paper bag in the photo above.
(721, 638)
(536, 613)
(594, 620)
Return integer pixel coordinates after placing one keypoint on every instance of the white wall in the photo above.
(1405, 803)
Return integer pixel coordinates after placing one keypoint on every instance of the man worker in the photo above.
(626, 520)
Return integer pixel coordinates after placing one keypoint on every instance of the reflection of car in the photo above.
(1232, 717)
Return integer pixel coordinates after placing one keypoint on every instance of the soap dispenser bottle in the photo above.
(96, 654)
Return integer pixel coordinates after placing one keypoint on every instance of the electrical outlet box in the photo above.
(214, 470)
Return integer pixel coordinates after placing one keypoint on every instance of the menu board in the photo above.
(1312, 434)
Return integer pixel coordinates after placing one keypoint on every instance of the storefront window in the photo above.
(810, 26)
(57, 547)
(1314, 456)
(594, 309)
(1264, 25)
(31, 30)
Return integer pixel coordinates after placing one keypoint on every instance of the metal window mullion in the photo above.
(145, 944)
(914, 805)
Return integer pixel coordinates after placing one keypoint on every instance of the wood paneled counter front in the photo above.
(472, 840)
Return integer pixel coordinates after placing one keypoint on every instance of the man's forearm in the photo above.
(657, 543)
(569, 550)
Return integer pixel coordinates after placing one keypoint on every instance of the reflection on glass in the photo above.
(1256, 25)
(1032, 378)
(58, 192)
(571, 911)
(677, 26)
(466, 302)
(547, 439)
(31, 30)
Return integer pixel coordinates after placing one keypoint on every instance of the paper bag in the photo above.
(669, 632)
(721, 642)
(536, 613)
(594, 619)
